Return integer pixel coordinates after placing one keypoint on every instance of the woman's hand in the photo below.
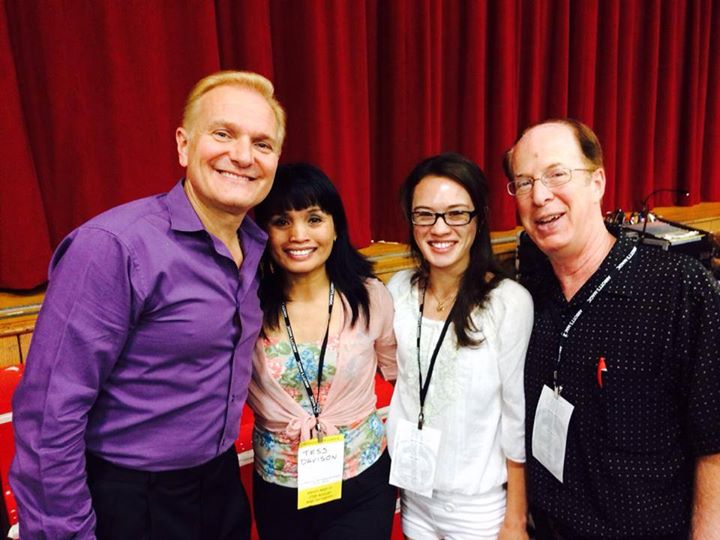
(513, 529)
(514, 526)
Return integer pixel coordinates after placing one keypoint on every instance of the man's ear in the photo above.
(182, 139)
(597, 182)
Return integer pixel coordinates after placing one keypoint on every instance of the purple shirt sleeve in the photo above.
(78, 338)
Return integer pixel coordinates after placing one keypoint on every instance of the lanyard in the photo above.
(431, 367)
(314, 402)
(565, 333)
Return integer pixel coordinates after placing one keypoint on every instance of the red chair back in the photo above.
(9, 379)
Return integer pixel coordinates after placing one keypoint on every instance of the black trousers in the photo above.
(548, 529)
(365, 512)
(207, 501)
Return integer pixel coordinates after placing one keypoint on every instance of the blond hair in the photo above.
(243, 79)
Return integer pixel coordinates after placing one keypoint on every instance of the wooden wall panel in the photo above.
(24, 340)
(9, 351)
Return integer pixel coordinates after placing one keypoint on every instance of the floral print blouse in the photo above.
(276, 453)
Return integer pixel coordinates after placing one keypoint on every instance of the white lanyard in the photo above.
(566, 332)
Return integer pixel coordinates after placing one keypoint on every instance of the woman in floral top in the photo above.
(322, 306)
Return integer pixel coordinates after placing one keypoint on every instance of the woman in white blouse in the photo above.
(456, 423)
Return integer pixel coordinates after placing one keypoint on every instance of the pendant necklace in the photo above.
(440, 304)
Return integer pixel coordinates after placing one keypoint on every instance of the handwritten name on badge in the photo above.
(320, 470)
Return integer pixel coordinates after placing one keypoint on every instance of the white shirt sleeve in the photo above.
(514, 327)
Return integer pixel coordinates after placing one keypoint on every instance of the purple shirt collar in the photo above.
(184, 218)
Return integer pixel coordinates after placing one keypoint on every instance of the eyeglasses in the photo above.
(453, 218)
(553, 178)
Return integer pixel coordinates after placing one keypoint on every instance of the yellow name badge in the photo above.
(320, 470)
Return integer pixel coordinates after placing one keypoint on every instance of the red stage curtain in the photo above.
(320, 62)
(24, 241)
(93, 91)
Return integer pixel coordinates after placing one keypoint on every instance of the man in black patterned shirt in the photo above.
(622, 378)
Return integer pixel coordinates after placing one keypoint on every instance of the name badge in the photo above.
(414, 458)
(549, 436)
(320, 470)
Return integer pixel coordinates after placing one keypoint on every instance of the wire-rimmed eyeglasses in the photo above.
(555, 177)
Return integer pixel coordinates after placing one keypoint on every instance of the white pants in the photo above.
(453, 516)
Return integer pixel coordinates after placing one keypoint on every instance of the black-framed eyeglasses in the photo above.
(555, 177)
(453, 218)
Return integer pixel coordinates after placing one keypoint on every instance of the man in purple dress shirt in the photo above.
(138, 371)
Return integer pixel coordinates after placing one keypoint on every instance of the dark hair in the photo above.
(585, 137)
(474, 286)
(296, 187)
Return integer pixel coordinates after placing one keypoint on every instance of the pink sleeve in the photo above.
(382, 314)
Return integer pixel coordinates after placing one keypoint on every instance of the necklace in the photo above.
(440, 304)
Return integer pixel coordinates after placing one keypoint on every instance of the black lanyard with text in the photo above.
(314, 402)
(565, 333)
(431, 367)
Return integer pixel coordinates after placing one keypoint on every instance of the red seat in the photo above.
(9, 378)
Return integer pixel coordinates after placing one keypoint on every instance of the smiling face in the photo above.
(230, 152)
(301, 241)
(442, 246)
(561, 221)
